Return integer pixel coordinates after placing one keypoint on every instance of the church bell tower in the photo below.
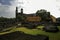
(16, 11)
(21, 10)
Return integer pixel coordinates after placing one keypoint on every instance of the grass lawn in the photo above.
(52, 36)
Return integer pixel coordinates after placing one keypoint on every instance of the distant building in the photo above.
(40, 15)
(26, 17)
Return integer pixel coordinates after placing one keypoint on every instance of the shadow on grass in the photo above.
(22, 36)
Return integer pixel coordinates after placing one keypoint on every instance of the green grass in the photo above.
(52, 36)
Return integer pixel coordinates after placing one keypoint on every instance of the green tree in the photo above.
(43, 14)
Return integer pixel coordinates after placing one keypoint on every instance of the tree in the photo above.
(20, 18)
(58, 21)
(43, 14)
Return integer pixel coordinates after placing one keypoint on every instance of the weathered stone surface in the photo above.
(22, 36)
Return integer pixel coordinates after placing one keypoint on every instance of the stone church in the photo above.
(39, 16)
(26, 17)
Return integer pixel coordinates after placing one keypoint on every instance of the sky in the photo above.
(7, 7)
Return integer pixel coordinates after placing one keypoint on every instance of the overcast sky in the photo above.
(7, 7)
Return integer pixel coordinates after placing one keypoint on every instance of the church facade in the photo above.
(26, 17)
(41, 16)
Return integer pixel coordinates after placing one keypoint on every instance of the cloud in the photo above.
(5, 2)
(8, 10)
(29, 6)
